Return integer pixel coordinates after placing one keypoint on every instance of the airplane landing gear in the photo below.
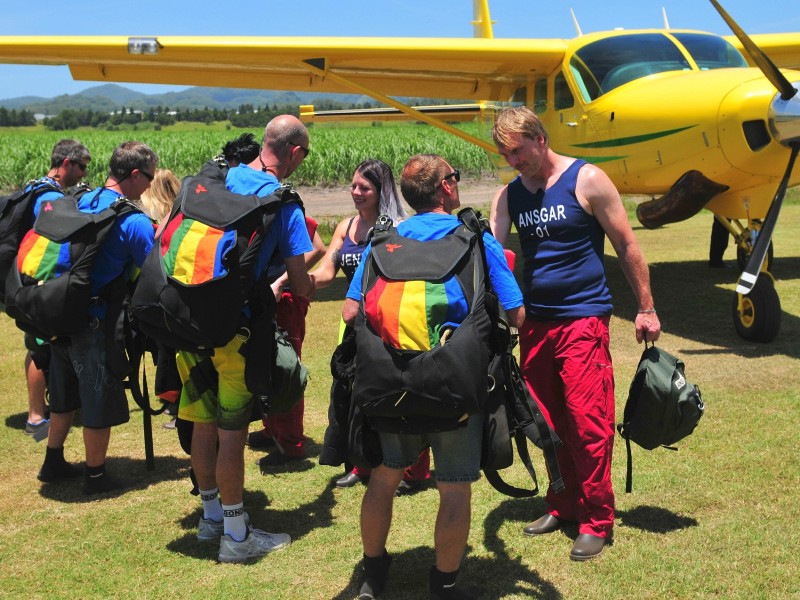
(757, 315)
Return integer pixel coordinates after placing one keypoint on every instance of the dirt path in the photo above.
(336, 201)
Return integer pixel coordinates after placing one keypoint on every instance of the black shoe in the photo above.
(443, 587)
(406, 488)
(105, 483)
(58, 471)
(587, 546)
(348, 480)
(376, 572)
(258, 440)
(545, 524)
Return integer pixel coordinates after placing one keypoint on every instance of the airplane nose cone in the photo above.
(784, 118)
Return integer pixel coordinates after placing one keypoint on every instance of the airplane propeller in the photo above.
(762, 61)
(785, 112)
(747, 279)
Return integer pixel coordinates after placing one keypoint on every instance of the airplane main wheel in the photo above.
(743, 251)
(760, 317)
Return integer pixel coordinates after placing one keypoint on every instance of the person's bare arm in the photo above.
(516, 316)
(349, 311)
(313, 256)
(327, 269)
(499, 219)
(596, 189)
(300, 280)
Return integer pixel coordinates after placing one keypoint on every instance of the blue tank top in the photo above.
(350, 254)
(563, 275)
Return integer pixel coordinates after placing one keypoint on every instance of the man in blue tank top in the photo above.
(563, 209)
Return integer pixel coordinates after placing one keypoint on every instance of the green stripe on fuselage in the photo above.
(634, 139)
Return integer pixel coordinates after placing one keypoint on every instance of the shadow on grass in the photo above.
(131, 469)
(493, 577)
(654, 519)
(692, 303)
(297, 522)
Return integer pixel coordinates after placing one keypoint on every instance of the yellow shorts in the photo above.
(214, 388)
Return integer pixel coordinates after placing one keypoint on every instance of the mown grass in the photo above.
(717, 519)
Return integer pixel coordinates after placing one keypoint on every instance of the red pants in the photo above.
(287, 428)
(567, 366)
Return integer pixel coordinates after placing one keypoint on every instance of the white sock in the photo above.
(212, 508)
(234, 521)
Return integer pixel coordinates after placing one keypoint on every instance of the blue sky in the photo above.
(412, 18)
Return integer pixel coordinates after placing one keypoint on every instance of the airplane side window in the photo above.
(711, 52)
(563, 95)
(540, 96)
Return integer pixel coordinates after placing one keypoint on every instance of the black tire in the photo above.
(760, 319)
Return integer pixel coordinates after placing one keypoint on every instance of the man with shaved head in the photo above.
(214, 395)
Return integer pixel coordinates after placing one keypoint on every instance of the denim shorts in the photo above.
(456, 454)
(80, 378)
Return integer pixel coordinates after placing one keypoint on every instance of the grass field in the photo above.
(717, 519)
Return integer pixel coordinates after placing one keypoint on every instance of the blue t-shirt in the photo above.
(434, 226)
(128, 243)
(289, 224)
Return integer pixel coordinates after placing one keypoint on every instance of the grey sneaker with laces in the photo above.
(257, 544)
(210, 531)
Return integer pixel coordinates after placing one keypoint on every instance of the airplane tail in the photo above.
(482, 21)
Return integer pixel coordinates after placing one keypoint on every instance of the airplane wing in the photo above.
(782, 48)
(468, 68)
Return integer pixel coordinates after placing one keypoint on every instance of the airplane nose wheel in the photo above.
(757, 315)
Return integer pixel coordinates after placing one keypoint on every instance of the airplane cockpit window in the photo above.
(710, 51)
(606, 64)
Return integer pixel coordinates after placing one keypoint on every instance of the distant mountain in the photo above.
(109, 97)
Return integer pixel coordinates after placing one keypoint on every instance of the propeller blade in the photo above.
(762, 61)
(747, 280)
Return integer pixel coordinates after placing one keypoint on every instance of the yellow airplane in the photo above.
(693, 119)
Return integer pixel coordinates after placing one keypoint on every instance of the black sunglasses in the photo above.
(303, 148)
(82, 166)
(456, 174)
(149, 176)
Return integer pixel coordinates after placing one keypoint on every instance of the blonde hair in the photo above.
(518, 119)
(157, 201)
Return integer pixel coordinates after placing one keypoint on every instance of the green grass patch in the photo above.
(717, 519)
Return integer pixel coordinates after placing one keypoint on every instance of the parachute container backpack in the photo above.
(197, 279)
(414, 360)
(663, 407)
(48, 290)
(16, 219)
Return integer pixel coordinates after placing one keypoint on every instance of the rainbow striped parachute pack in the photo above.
(195, 282)
(48, 291)
(423, 330)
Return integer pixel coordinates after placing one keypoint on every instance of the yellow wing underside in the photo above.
(479, 69)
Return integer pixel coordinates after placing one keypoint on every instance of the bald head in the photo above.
(284, 131)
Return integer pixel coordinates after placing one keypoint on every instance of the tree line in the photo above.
(246, 115)
(16, 118)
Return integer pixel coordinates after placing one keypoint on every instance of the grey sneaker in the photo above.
(38, 431)
(257, 544)
(210, 531)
